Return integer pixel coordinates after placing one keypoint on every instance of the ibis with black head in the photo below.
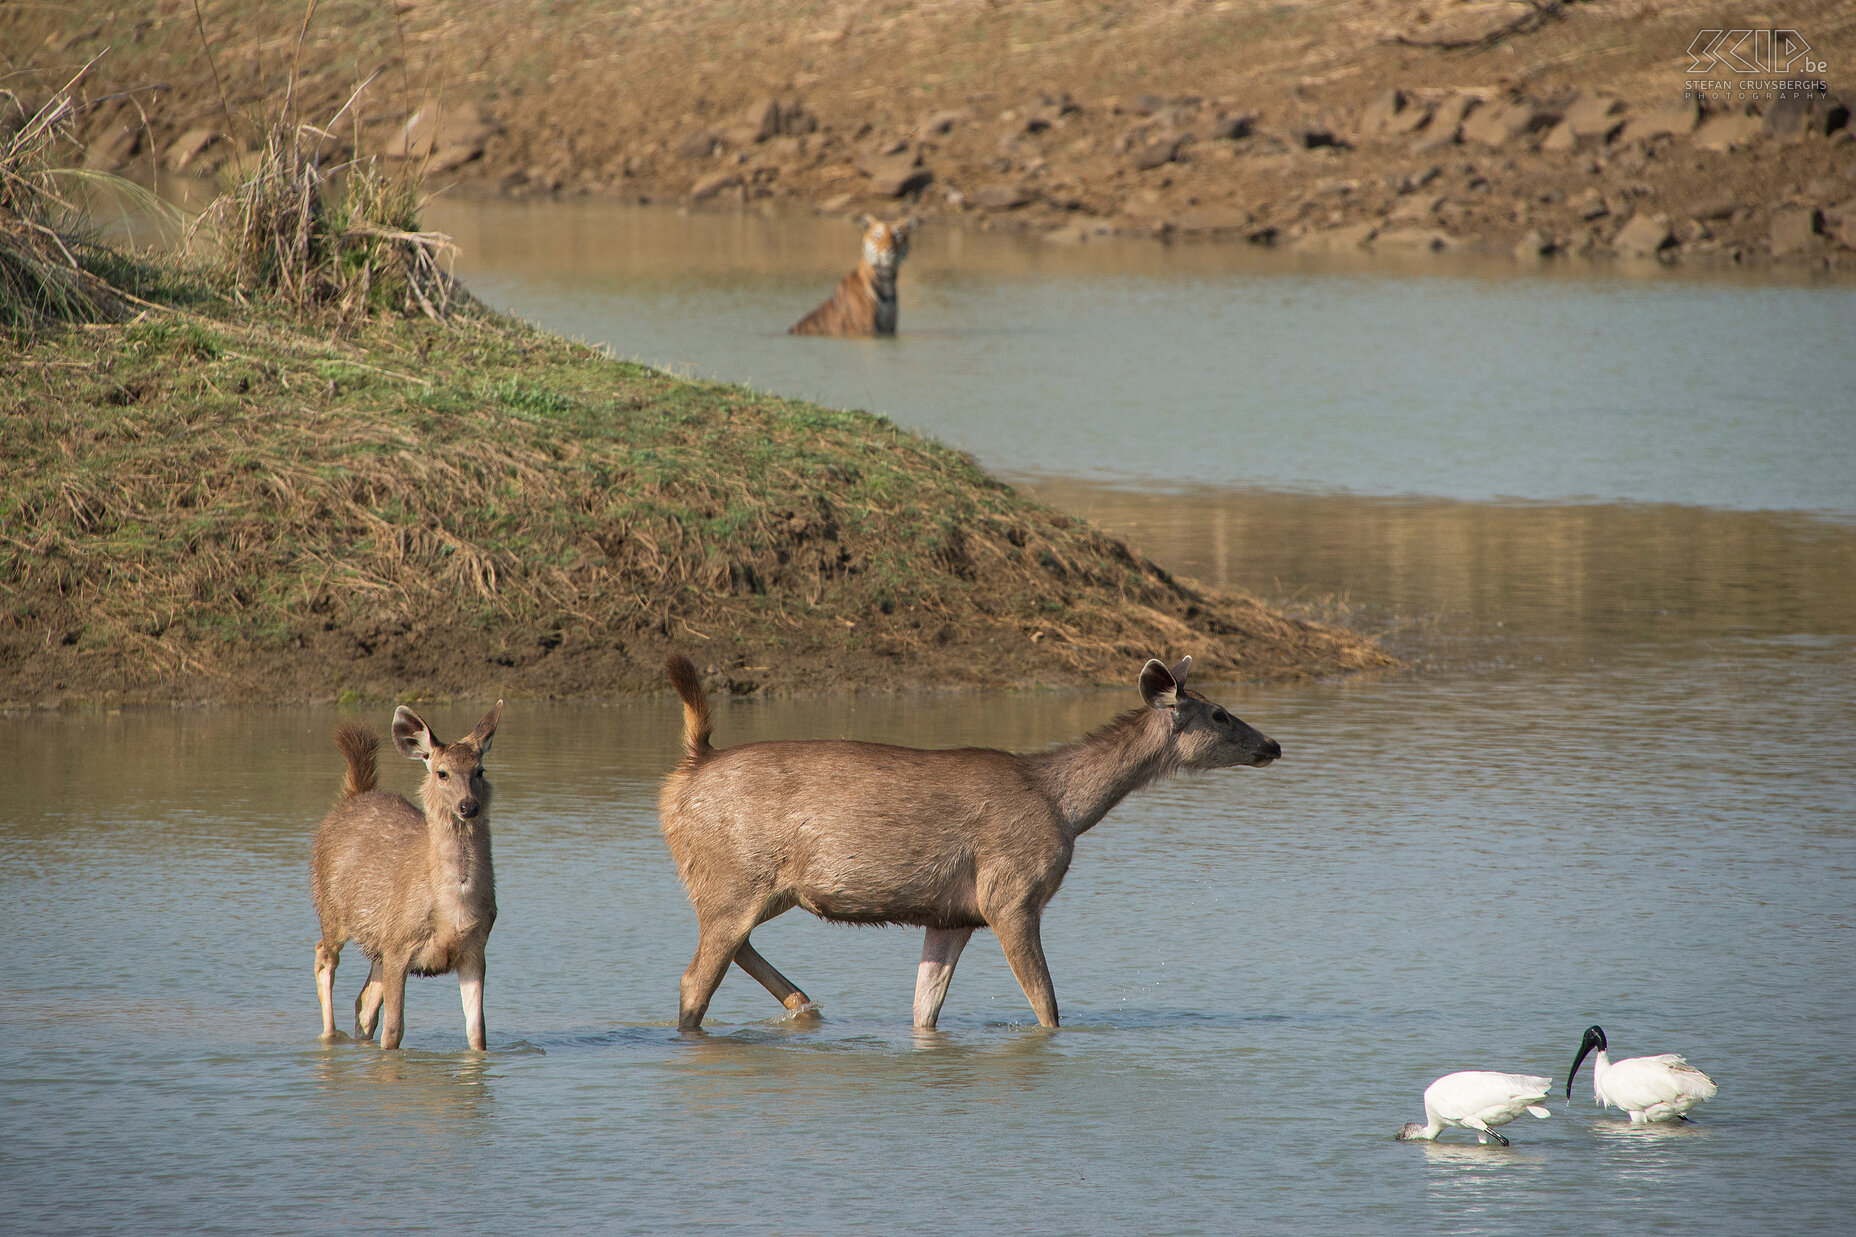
(1650, 1089)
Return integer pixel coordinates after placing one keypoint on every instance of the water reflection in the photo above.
(1587, 578)
(360, 1088)
(1480, 1187)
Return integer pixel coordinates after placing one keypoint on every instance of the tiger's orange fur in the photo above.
(865, 302)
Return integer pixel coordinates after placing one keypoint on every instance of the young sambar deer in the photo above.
(413, 887)
(947, 840)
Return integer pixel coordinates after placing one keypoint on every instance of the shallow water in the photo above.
(1230, 366)
(1617, 790)
(1259, 973)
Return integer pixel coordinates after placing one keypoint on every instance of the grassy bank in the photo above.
(222, 503)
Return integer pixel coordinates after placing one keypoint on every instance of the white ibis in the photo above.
(1648, 1088)
(1478, 1100)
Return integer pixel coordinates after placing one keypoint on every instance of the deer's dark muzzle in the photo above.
(1271, 750)
(467, 809)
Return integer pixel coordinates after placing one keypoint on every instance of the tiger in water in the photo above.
(865, 303)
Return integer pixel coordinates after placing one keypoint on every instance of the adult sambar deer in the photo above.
(414, 888)
(950, 840)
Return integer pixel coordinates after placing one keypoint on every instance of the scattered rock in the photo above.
(1148, 104)
(1801, 115)
(795, 120)
(1727, 132)
(886, 154)
(1338, 240)
(762, 120)
(189, 146)
(1156, 153)
(1231, 128)
(1795, 230)
(712, 184)
(1379, 115)
(1500, 123)
(1560, 139)
(1595, 117)
(1418, 180)
(904, 177)
(1535, 244)
(1433, 239)
(1313, 137)
(1000, 196)
(700, 144)
(1591, 205)
(1446, 122)
(449, 136)
(944, 122)
(1846, 231)
(1474, 24)
(1040, 120)
(1644, 236)
(1670, 120)
(1418, 208)
(1710, 209)
(114, 147)
(837, 203)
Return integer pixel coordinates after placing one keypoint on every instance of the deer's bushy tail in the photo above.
(696, 725)
(358, 746)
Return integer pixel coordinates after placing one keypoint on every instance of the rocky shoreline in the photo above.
(1531, 129)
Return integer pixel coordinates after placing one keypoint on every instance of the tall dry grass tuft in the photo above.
(44, 228)
(338, 243)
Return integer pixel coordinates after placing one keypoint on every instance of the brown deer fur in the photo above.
(947, 840)
(865, 301)
(413, 887)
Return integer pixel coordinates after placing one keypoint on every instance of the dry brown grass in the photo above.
(339, 244)
(44, 231)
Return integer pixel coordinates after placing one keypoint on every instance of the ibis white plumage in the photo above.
(1661, 1088)
(1478, 1100)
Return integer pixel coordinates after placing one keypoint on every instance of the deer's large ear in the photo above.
(1158, 687)
(486, 729)
(412, 736)
(1181, 671)
(864, 221)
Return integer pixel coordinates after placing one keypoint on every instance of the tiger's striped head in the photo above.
(886, 244)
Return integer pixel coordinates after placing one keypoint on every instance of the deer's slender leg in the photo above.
(715, 949)
(784, 990)
(1024, 949)
(940, 951)
(393, 1008)
(326, 961)
(470, 988)
(367, 1004)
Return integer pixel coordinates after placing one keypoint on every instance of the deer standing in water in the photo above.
(947, 840)
(414, 887)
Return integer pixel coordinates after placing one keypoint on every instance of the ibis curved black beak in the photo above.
(1594, 1038)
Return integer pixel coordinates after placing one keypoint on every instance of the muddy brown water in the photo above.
(1616, 789)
